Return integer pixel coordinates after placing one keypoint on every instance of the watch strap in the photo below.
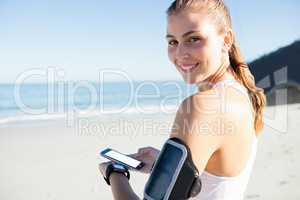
(110, 169)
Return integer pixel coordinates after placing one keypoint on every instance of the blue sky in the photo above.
(83, 37)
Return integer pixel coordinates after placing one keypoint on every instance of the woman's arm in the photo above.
(121, 188)
(119, 183)
(196, 124)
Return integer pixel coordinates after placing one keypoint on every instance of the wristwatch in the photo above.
(115, 167)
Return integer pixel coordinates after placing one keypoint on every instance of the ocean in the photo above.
(46, 101)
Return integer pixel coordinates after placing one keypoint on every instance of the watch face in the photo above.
(118, 166)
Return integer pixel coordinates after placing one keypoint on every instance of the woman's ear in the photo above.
(228, 40)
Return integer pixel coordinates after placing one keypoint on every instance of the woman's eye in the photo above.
(172, 42)
(193, 39)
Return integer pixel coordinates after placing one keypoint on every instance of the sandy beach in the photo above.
(47, 160)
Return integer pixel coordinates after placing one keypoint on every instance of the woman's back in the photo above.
(228, 170)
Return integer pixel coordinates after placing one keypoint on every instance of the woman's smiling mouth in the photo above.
(188, 67)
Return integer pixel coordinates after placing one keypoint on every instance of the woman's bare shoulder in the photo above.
(197, 122)
(214, 103)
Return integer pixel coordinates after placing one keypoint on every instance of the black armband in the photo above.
(174, 175)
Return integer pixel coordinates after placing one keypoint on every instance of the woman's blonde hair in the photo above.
(220, 15)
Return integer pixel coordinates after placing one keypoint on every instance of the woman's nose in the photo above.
(181, 53)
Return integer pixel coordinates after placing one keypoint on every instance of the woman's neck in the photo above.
(225, 72)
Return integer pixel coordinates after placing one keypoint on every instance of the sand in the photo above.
(51, 160)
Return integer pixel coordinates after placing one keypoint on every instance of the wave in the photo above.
(144, 110)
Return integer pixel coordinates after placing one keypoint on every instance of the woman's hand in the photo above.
(148, 156)
(102, 167)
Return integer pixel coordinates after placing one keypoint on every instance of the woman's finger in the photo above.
(141, 150)
(102, 167)
(134, 155)
(145, 149)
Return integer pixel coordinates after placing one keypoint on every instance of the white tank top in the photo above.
(228, 188)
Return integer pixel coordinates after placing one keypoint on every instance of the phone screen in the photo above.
(122, 158)
(164, 171)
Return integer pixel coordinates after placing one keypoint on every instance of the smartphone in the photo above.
(116, 156)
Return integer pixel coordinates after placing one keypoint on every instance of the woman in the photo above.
(221, 122)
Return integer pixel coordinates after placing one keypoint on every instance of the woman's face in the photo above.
(194, 46)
